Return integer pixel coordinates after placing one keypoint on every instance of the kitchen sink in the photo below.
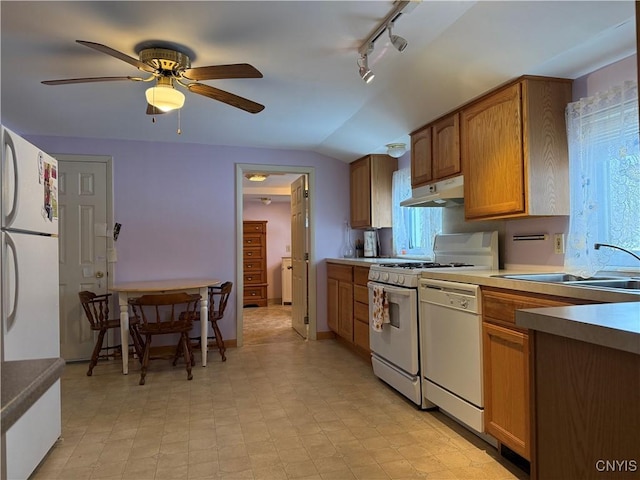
(625, 284)
(554, 277)
(618, 283)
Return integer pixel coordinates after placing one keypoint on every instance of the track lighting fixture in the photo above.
(397, 41)
(400, 7)
(365, 73)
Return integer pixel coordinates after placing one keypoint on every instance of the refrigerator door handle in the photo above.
(11, 316)
(9, 216)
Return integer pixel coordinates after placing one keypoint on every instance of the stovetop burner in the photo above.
(414, 265)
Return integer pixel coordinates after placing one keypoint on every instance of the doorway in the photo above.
(275, 310)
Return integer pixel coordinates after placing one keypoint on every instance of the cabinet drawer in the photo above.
(254, 227)
(361, 334)
(254, 277)
(361, 312)
(253, 265)
(342, 273)
(252, 240)
(502, 305)
(257, 292)
(361, 294)
(361, 275)
(253, 253)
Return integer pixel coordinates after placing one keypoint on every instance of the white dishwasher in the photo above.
(451, 345)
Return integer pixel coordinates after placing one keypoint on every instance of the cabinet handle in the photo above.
(253, 294)
(248, 241)
(249, 254)
(249, 278)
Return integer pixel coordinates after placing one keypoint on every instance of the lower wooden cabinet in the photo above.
(348, 304)
(506, 383)
(507, 366)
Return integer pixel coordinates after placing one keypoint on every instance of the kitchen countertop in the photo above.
(614, 325)
(23, 383)
(612, 321)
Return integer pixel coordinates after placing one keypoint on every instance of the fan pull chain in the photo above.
(179, 117)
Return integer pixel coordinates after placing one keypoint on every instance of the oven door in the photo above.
(397, 343)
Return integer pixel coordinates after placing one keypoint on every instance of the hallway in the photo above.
(271, 324)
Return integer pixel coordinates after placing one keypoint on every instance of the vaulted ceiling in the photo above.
(307, 53)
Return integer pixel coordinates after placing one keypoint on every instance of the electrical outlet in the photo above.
(558, 243)
(288, 248)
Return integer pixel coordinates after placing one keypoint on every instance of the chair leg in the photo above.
(138, 343)
(145, 359)
(186, 348)
(178, 353)
(219, 340)
(96, 352)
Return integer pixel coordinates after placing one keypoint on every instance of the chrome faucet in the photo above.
(598, 245)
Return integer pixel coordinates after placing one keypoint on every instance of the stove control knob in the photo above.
(375, 275)
(385, 277)
(400, 279)
(464, 303)
(394, 278)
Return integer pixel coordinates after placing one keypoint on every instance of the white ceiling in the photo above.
(307, 52)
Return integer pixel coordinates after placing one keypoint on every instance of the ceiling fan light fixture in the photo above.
(265, 200)
(396, 150)
(164, 97)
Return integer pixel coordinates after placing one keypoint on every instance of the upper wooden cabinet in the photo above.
(435, 151)
(514, 150)
(371, 191)
(446, 147)
(421, 159)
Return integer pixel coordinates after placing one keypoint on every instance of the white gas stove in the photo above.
(464, 251)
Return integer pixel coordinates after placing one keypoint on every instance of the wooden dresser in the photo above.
(254, 234)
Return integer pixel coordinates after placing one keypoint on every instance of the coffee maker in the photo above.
(370, 243)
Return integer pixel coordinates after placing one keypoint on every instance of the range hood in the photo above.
(445, 193)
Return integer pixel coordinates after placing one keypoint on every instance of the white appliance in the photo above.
(286, 280)
(29, 290)
(396, 350)
(451, 342)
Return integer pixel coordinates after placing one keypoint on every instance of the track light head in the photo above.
(397, 41)
(365, 73)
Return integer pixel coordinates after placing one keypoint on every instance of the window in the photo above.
(604, 176)
(413, 227)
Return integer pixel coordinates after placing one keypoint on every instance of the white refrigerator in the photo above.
(29, 291)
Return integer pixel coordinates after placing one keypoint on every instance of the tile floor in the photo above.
(274, 410)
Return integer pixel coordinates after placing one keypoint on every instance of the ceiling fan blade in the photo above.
(215, 72)
(119, 55)
(151, 110)
(225, 97)
(89, 80)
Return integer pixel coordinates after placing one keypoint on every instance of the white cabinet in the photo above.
(286, 280)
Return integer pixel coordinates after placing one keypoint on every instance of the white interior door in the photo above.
(299, 255)
(83, 251)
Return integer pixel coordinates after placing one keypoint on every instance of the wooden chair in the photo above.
(164, 314)
(218, 298)
(96, 309)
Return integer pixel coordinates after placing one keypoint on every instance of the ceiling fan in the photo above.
(168, 67)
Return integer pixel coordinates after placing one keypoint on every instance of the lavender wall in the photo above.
(176, 204)
(278, 217)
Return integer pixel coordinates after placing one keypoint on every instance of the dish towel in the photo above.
(380, 308)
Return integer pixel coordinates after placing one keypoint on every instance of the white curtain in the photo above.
(604, 173)
(413, 227)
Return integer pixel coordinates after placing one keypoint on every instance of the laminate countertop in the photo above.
(23, 383)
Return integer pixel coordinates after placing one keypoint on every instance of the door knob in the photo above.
(99, 274)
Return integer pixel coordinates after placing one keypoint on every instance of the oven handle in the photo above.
(405, 291)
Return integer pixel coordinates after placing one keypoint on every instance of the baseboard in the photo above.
(329, 335)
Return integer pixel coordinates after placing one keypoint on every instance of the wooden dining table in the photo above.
(127, 290)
